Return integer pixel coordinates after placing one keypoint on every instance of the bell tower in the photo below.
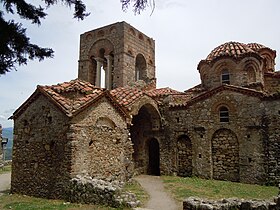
(116, 55)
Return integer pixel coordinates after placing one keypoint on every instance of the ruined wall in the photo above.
(213, 142)
(101, 144)
(41, 153)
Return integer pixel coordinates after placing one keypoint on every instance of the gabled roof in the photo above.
(71, 97)
(192, 100)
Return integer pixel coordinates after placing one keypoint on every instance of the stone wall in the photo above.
(41, 152)
(272, 140)
(238, 72)
(101, 148)
(200, 122)
(193, 203)
(85, 189)
(272, 84)
(124, 43)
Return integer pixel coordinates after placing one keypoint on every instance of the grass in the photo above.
(182, 188)
(136, 188)
(5, 169)
(21, 202)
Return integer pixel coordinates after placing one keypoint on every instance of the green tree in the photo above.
(15, 46)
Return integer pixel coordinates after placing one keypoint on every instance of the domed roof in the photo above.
(229, 49)
(256, 46)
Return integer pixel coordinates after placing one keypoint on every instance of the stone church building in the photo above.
(113, 123)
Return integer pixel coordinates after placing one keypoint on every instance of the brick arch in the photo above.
(225, 155)
(104, 44)
(184, 156)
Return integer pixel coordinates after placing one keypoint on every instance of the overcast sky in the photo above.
(185, 32)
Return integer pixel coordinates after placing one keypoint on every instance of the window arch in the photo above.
(251, 74)
(225, 78)
(224, 114)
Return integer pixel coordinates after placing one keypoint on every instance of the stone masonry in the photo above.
(118, 125)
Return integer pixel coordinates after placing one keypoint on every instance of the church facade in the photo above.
(113, 123)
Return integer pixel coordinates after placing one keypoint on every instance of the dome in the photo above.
(235, 50)
(256, 46)
(230, 49)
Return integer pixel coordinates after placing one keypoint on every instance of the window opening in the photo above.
(225, 77)
(224, 114)
(102, 78)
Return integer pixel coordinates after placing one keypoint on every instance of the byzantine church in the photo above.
(113, 123)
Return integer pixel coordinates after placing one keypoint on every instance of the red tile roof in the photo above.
(72, 96)
(126, 96)
(256, 46)
(161, 92)
(235, 50)
(232, 49)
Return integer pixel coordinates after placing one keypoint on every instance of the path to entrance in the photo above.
(5, 182)
(159, 198)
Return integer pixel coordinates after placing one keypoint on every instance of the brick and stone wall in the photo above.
(218, 146)
(100, 148)
(41, 153)
(123, 42)
(272, 140)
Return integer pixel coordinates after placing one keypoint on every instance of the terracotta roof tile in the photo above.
(234, 50)
(231, 49)
(161, 92)
(126, 95)
(73, 95)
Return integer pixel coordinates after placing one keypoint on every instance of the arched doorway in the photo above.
(184, 156)
(144, 124)
(225, 155)
(154, 159)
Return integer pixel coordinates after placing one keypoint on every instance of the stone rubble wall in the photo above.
(85, 189)
(193, 203)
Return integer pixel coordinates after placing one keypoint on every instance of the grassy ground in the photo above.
(182, 188)
(21, 202)
(5, 169)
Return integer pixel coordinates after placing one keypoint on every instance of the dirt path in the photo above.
(159, 198)
(5, 182)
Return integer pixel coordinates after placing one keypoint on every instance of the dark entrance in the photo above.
(153, 157)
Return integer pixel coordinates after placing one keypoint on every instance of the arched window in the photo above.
(225, 77)
(224, 114)
(140, 67)
(251, 75)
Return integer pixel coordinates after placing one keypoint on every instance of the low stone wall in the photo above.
(193, 203)
(84, 189)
